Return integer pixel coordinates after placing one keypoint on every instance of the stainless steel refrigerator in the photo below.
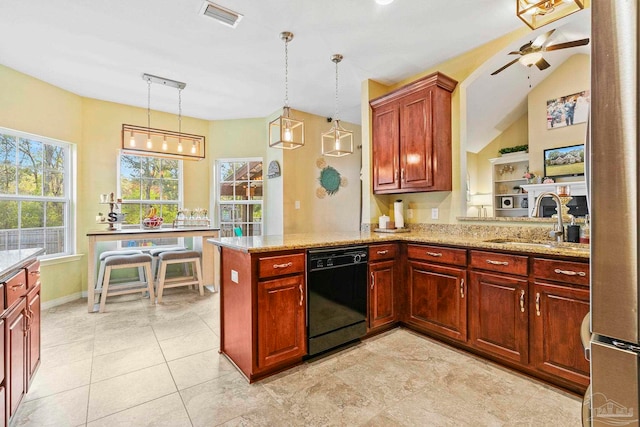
(615, 242)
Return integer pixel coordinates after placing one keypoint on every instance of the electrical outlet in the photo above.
(297, 204)
(234, 276)
(434, 213)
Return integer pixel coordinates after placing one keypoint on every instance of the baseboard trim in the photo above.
(63, 300)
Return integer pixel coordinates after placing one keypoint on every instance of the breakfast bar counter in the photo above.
(199, 235)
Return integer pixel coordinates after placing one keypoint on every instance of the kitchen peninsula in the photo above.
(504, 293)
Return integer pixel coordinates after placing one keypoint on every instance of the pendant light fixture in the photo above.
(338, 141)
(162, 143)
(285, 131)
(536, 13)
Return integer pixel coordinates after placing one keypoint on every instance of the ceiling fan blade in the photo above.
(541, 39)
(515, 52)
(506, 66)
(567, 45)
(542, 64)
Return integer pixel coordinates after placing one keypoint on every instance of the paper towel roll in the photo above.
(398, 213)
(382, 221)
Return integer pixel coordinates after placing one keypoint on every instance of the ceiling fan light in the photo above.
(531, 58)
(536, 13)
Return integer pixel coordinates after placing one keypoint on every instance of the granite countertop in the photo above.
(469, 239)
(12, 260)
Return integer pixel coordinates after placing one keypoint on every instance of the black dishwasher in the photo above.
(337, 297)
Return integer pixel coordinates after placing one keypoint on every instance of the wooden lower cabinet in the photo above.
(382, 310)
(281, 320)
(437, 300)
(33, 332)
(15, 355)
(556, 347)
(498, 322)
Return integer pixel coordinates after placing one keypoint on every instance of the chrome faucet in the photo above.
(558, 229)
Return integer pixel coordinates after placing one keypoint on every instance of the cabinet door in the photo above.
(498, 319)
(416, 141)
(381, 293)
(281, 320)
(33, 333)
(557, 349)
(15, 353)
(437, 299)
(386, 148)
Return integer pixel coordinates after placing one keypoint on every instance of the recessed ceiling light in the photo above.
(384, 2)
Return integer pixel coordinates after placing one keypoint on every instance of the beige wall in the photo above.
(338, 212)
(570, 77)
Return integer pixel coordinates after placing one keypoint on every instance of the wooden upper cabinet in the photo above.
(412, 137)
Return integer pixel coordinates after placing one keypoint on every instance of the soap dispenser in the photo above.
(573, 232)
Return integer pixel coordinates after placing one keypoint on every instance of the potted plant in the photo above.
(515, 149)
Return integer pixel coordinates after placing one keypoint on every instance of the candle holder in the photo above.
(564, 209)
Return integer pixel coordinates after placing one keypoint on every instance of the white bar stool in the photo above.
(179, 257)
(126, 261)
(104, 255)
(154, 252)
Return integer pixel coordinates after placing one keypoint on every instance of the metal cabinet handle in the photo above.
(289, 264)
(461, 288)
(570, 272)
(522, 301)
(402, 174)
(435, 254)
(538, 303)
(33, 273)
(383, 252)
(396, 174)
(18, 286)
(490, 261)
(372, 280)
(301, 295)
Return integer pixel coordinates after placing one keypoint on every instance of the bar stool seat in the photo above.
(115, 262)
(179, 257)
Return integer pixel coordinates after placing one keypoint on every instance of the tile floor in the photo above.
(139, 365)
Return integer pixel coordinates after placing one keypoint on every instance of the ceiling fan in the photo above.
(531, 53)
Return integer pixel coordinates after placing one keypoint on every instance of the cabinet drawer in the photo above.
(380, 252)
(33, 274)
(504, 263)
(15, 287)
(280, 265)
(576, 273)
(437, 254)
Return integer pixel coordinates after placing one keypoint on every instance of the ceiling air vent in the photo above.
(220, 14)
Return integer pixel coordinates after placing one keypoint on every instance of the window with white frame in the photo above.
(240, 195)
(35, 193)
(147, 183)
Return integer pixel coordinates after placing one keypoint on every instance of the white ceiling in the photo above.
(101, 48)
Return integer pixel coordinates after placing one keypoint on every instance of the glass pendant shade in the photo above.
(536, 13)
(338, 141)
(286, 132)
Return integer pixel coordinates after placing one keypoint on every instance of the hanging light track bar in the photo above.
(170, 141)
(163, 81)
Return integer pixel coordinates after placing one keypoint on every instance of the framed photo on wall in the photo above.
(568, 110)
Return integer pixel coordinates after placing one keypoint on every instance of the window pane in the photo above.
(150, 189)
(8, 214)
(30, 167)
(256, 213)
(55, 214)
(32, 214)
(32, 238)
(54, 157)
(255, 171)
(170, 169)
(7, 164)
(226, 171)
(54, 240)
(169, 189)
(151, 167)
(169, 213)
(132, 213)
(256, 191)
(53, 184)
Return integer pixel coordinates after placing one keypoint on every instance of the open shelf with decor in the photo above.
(507, 176)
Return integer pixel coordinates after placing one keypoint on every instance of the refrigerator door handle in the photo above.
(585, 336)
